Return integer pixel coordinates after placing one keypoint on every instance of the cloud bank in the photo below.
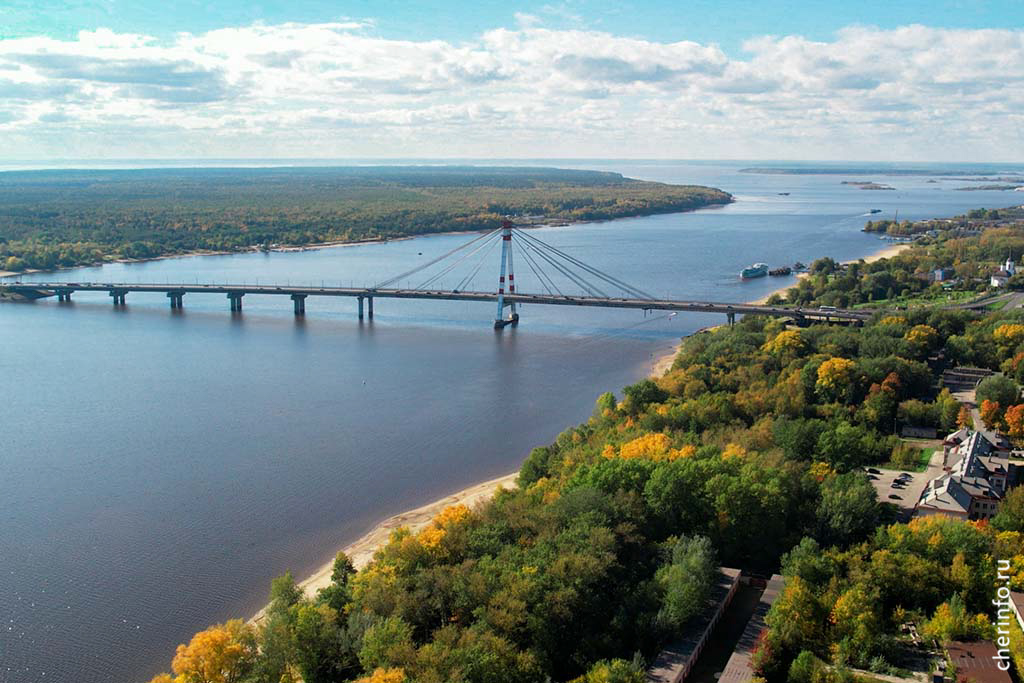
(339, 90)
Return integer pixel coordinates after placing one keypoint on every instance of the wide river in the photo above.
(158, 468)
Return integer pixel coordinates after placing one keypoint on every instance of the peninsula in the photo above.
(81, 217)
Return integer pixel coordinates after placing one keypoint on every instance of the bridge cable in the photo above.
(450, 267)
(588, 287)
(464, 282)
(535, 268)
(391, 281)
(617, 283)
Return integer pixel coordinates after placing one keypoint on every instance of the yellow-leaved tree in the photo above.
(223, 653)
(1008, 337)
(654, 446)
(786, 343)
(384, 676)
(836, 378)
(922, 338)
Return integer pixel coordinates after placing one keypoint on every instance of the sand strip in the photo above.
(362, 551)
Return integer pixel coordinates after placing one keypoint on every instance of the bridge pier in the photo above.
(118, 296)
(731, 317)
(360, 307)
(175, 298)
(369, 307)
(300, 303)
(64, 294)
(236, 301)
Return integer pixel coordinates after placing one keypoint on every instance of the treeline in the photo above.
(751, 445)
(64, 218)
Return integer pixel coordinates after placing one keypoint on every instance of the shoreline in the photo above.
(362, 550)
(255, 249)
(662, 364)
(885, 252)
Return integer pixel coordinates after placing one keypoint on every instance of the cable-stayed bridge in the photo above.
(560, 278)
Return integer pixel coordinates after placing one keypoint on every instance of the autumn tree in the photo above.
(963, 417)
(787, 343)
(221, 654)
(836, 378)
(1014, 421)
(1008, 337)
(991, 414)
(922, 339)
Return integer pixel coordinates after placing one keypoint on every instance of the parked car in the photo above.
(872, 470)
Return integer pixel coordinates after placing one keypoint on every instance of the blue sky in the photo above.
(902, 79)
(726, 23)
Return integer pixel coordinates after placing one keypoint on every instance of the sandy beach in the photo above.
(362, 551)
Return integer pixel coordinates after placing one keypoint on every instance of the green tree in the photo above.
(685, 581)
(998, 389)
(1010, 516)
(848, 510)
(386, 644)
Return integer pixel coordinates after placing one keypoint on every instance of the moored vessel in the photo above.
(756, 270)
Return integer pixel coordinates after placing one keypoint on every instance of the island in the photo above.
(68, 218)
(868, 185)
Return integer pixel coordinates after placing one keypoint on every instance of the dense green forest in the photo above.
(748, 452)
(64, 218)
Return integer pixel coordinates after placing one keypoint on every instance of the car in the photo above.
(873, 470)
(893, 496)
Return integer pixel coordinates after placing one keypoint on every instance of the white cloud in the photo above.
(337, 90)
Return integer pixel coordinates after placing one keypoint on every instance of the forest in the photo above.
(51, 219)
(749, 453)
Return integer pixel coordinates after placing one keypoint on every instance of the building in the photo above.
(943, 274)
(738, 668)
(675, 662)
(973, 485)
(1001, 277)
(977, 662)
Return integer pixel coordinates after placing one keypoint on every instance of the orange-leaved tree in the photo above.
(991, 413)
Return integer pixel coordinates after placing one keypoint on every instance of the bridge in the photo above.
(594, 283)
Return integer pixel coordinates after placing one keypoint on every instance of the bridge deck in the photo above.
(449, 295)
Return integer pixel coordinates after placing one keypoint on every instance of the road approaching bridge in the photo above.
(235, 293)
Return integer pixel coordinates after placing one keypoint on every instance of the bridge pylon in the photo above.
(500, 321)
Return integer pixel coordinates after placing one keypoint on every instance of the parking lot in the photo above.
(910, 493)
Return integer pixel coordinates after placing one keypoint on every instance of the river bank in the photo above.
(361, 552)
(885, 252)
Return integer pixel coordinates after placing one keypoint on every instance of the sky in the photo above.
(901, 80)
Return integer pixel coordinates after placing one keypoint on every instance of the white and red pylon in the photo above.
(506, 266)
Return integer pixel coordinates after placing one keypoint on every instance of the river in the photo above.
(158, 468)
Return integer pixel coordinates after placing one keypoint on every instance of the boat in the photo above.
(756, 270)
(784, 270)
(875, 211)
(783, 194)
